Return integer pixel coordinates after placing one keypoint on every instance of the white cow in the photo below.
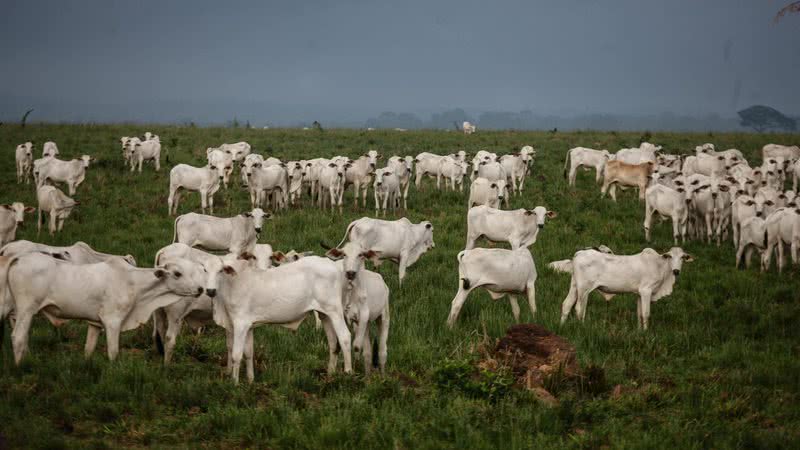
(49, 150)
(282, 296)
(453, 171)
(360, 173)
(24, 160)
(236, 234)
(12, 216)
(783, 228)
(519, 227)
(468, 128)
(743, 208)
(77, 253)
(223, 159)
(331, 181)
(516, 167)
(403, 166)
(249, 161)
(149, 150)
(238, 151)
(501, 272)
(636, 155)
(55, 203)
(712, 166)
(489, 193)
(72, 172)
(666, 202)
(265, 182)
(110, 295)
(649, 274)
(427, 164)
(204, 180)
(386, 190)
(398, 241)
(776, 150)
(753, 235)
(585, 157)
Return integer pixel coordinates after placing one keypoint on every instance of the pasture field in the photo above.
(720, 366)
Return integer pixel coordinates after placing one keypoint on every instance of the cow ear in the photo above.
(247, 256)
(666, 256)
(723, 188)
(6, 206)
(369, 254)
(247, 214)
(551, 214)
(379, 156)
(529, 212)
(229, 270)
(428, 226)
(29, 209)
(687, 257)
(277, 257)
(334, 254)
(160, 273)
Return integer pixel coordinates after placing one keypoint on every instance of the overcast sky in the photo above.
(363, 57)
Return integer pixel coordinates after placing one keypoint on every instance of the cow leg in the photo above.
(174, 325)
(604, 189)
(239, 341)
(512, 299)
(471, 238)
(92, 333)
(112, 339)
(614, 192)
(333, 344)
(781, 255)
(61, 221)
(768, 252)
(531, 289)
(438, 181)
(795, 249)
(141, 160)
(645, 300)
(364, 195)
(648, 220)
(375, 191)
(569, 302)
(739, 255)
(157, 162)
(317, 321)
(383, 338)
(675, 229)
(366, 350)
(39, 221)
(457, 304)
(211, 203)
(229, 347)
(343, 336)
(248, 356)
(385, 202)
(53, 222)
(20, 334)
(583, 299)
(355, 193)
(402, 268)
(203, 201)
(748, 254)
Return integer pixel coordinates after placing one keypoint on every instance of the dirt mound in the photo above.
(535, 354)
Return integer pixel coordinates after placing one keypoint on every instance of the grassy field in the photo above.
(720, 366)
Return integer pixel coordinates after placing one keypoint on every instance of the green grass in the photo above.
(720, 366)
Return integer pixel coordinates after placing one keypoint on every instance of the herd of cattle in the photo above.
(245, 284)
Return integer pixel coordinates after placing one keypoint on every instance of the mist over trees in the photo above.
(763, 118)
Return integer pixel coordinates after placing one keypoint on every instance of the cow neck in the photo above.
(146, 286)
(418, 231)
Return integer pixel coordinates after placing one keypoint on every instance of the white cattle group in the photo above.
(216, 273)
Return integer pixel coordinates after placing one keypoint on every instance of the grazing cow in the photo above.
(238, 151)
(265, 182)
(775, 150)
(49, 150)
(111, 295)
(236, 234)
(712, 166)
(516, 167)
(331, 180)
(54, 202)
(360, 173)
(519, 227)
(649, 274)
(24, 158)
(453, 172)
(467, 127)
(223, 159)
(667, 202)
(398, 241)
(427, 164)
(204, 180)
(501, 272)
(489, 193)
(12, 216)
(742, 208)
(366, 300)
(783, 228)
(149, 150)
(72, 172)
(386, 189)
(753, 235)
(624, 174)
(282, 296)
(403, 167)
(77, 253)
(586, 157)
(249, 161)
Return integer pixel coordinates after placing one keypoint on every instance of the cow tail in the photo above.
(175, 231)
(566, 162)
(5, 296)
(565, 265)
(347, 233)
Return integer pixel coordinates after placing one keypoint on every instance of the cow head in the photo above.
(764, 204)
(353, 257)
(540, 213)
(18, 210)
(212, 269)
(676, 257)
(258, 216)
(427, 235)
(502, 188)
(372, 158)
(86, 159)
(380, 174)
(182, 277)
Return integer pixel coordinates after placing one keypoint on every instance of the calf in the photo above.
(49, 150)
(149, 150)
(753, 235)
(783, 228)
(666, 202)
(204, 180)
(331, 181)
(742, 208)
(403, 168)
(399, 240)
(223, 159)
(501, 272)
(519, 227)
(624, 174)
(236, 234)
(485, 192)
(109, 295)
(649, 274)
(427, 164)
(12, 216)
(55, 203)
(387, 189)
(453, 172)
(72, 172)
(268, 181)
(516, 167)
(249, 161)
(24, 161)
(360, 174)
(585, 157)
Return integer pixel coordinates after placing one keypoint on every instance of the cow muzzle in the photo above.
(211, 293)
(351, 275)
(676, 272)
(541, 225)
(258, 230)
(379, 184)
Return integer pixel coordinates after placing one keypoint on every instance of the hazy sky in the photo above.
(363, 57)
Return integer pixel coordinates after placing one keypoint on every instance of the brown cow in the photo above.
(624, 174)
